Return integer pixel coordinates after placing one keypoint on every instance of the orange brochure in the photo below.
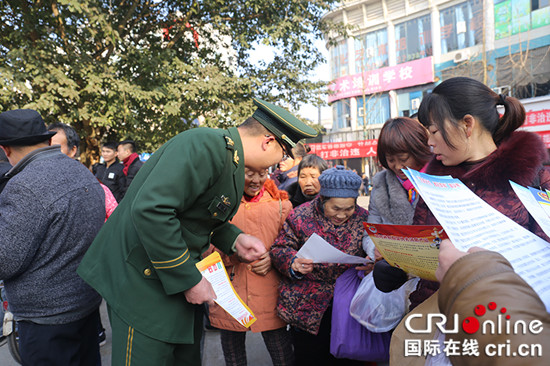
(213, 270)
(413, 248)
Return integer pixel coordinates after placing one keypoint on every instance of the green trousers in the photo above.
(132, 348)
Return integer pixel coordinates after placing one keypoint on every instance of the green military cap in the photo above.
(287, 128)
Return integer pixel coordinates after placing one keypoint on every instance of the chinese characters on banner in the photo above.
(386, 78)
(344, 150)
(539, 118)
(545, 136)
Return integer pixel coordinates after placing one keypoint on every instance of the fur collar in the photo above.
(276, 193)
(518, 158)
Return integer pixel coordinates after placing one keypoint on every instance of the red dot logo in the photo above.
(479, 310)
(470, 325)
(492, 305)
(502, 310)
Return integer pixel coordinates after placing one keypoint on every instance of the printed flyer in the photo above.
(413, 248)
(213, 270)
(469, 221)
(537, 203)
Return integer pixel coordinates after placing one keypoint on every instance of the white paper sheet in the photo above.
(469, 221)
(321, 251)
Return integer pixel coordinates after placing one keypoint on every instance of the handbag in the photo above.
(380, 311)
(348, 338)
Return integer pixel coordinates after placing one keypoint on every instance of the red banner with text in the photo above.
(344, 150)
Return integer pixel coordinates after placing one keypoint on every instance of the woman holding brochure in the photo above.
(306, 290)
(403, 143)
(472, 142)
(262, 212)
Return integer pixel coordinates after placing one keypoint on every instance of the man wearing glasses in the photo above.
(143, 260)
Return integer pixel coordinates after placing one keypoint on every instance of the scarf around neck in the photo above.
(128, 161)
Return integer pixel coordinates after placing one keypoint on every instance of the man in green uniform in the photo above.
(143, 260)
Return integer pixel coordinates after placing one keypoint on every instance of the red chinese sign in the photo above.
(545, 136)
(537, 118)
(383, 79)
(344, 150)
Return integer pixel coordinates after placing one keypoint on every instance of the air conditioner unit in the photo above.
(461, 56)
(415, 104)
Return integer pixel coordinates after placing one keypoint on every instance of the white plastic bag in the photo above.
(380, 311)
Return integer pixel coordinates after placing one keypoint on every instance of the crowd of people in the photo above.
(131, 233)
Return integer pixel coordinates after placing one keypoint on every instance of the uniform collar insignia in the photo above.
(226, 200)
(229, 141)
(236, 158)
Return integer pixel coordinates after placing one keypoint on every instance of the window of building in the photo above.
(413, 39)
(339, 60)
(525, 74)
(371, 51)
(540, 13)
(461, 26)
(539, 4)
(341, 114)
(377, 109)
(409, 102)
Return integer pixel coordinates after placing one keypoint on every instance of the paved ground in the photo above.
(212, 353)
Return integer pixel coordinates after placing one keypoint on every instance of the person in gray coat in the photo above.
(403, 143)
(46, 194)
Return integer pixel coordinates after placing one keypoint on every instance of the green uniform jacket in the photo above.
(144, 256)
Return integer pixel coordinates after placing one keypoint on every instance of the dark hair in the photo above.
(111, 145)
(300, 150)
(456, 97)
(312, 161)
(403, 135)
(253, 127)
(72, 136)
(131, 145)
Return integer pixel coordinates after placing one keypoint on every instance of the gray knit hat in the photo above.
(339, 182)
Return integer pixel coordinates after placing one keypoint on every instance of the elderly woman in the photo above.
(306, 290)
(262, 212)
(307, 187)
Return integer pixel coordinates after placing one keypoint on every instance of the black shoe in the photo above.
(102, 339)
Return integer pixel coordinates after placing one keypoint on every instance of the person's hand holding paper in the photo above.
(320, 251)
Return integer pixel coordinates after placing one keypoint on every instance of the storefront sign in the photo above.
(386, 78)
(344, 150)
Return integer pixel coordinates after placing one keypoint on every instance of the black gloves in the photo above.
(388, 278)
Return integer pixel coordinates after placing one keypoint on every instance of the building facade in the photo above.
(397, 51)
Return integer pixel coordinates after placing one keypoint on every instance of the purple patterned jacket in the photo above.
(302, 302)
